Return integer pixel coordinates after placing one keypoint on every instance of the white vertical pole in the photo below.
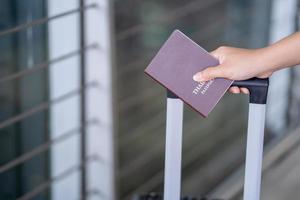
(254, 154)
(99, 66)
(173, 149)
(283, 17)
(63, 78)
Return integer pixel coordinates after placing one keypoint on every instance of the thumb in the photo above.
(209, 73)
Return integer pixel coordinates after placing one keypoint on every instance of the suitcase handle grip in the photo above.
(258, 88)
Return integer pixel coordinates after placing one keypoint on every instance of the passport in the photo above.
(174, 66)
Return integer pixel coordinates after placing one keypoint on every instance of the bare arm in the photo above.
(240, 64)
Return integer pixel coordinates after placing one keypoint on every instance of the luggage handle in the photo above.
(258, 88)
(258, 96)
(255, 135)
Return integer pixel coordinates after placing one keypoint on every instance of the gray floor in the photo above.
(282, 181)
(281, 173)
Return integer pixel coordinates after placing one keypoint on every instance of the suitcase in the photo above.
(254, 153)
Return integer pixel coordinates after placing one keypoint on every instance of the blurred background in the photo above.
(80, 120)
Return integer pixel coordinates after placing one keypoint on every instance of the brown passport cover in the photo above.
(174, 66)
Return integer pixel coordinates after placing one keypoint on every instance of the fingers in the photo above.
(212, 72)
(234, 90)
(237, 90)
(245, 90)
(209, 73)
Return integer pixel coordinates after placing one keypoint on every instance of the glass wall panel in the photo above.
(20, 51)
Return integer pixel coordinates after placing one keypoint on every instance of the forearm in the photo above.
(241, 64)
(282, 54)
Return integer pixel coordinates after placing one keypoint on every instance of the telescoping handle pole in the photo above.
(255, 135)
(173, 151)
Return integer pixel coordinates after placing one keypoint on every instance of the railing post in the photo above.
(100, 102)
(83, 176)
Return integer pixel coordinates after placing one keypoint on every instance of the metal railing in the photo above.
(81, 91)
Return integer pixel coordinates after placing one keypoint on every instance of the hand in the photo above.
(237, 64)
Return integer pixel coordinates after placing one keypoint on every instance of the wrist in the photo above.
(267, 60)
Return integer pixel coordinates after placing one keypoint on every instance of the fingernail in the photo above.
(197, 77)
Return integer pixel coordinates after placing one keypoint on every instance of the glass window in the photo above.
(20, 51)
